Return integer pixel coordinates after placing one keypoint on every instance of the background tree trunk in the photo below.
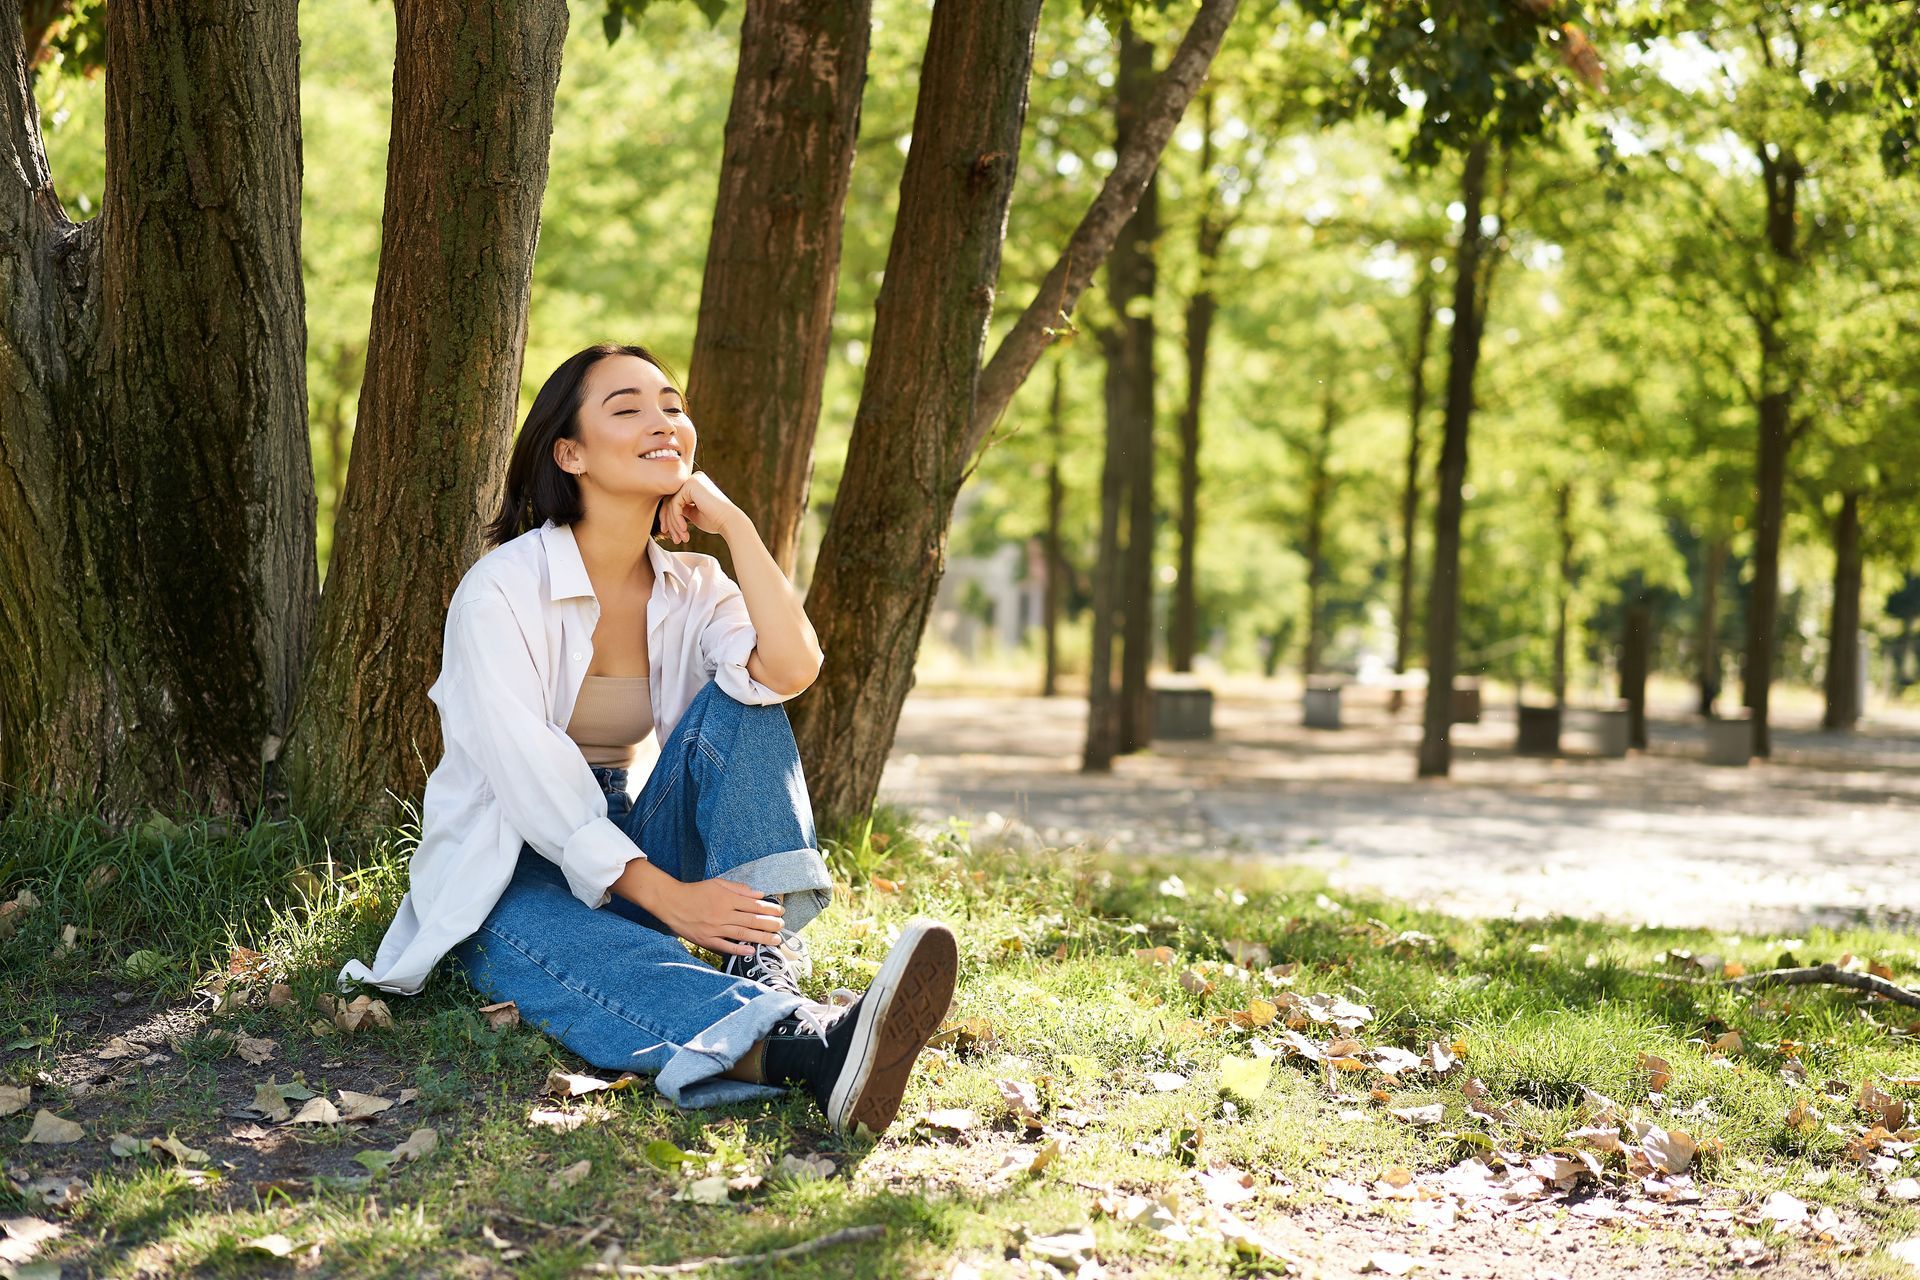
(1056, 560)
(1562, 593)
(1103, 706)
(1843, 635)
(1709, 643)
(473, 87)
(1133, 281)
(773, 259)
(1781, 174)
(1201, 307)
(885, 545)
(1443, 585)
(1403, 646)
(884, 552)
(1319, 492)
(157, 577)
(1636, 652)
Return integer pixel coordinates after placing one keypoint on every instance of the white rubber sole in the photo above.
(900, 1012)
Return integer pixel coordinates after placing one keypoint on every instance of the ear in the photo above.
(566, 455)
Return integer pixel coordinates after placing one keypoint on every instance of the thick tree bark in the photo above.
(1843, 633)
(1133, 279)
(1443, 586)
(1056, 560)
(1708, 645)
(473, 88)
(773, 259)
(1201, 307)
(1410, 490)
(157, 577)
(884, 551)
(1562, 593)
(885, 545)
(1319, 496)
(1781, 173)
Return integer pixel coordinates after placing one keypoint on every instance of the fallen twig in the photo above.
(846, 1235)
(1810, 975)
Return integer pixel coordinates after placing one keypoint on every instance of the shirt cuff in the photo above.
(731, 674)
(595, 856)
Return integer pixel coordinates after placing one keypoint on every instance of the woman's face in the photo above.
(634, 436)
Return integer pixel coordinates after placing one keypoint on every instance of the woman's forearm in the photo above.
(787, 653)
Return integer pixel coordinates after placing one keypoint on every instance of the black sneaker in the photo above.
(857, 1065)
(780, 968)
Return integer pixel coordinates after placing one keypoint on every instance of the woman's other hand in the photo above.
(719, 915)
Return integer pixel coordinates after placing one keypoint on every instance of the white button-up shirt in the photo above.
(519, 639)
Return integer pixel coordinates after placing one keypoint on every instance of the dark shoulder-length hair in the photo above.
(538, 489)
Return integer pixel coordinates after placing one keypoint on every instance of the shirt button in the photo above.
(576, 657)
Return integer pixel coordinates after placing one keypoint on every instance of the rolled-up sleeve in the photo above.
(496, 712)
(727, 640)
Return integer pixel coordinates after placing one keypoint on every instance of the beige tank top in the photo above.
(610, 719)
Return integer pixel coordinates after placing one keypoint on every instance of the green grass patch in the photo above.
(1053, 994)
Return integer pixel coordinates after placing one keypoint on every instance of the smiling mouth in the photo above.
(661, 455)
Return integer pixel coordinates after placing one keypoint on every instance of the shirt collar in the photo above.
(568, 572)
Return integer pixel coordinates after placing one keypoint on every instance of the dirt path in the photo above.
(1827, 832)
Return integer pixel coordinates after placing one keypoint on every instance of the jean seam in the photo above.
(673, 780)
(584, 992)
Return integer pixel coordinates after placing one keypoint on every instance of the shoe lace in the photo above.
(814, 1017)
(769, 967)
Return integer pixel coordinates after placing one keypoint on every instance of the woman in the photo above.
(570, 645)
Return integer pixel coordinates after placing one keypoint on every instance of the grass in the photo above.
(1052, 993)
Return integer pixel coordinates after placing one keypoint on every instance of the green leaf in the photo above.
(376, 1162)
(662, 1154)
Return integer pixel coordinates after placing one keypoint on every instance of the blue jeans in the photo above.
(725, 798)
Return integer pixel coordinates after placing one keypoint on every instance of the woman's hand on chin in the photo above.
(697, 504)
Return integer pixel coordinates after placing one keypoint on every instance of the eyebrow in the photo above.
(634, 391)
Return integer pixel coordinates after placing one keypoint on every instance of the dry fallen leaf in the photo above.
(180, 1151)
(255, 1050)
(1191, 981)
(1888, 1110)
(279, 995)
(276, 1244)
(52, 1130)
(1154, 955)
(1388, 1263)
(1021, 1098)
(548, 1118)
(361, 1106)
(316, 1111)
(567, 1084)
(1659, 1072)
(501, 1016)
(14, 1098)
(270, 1102)
(1420, 1117)
(570, 1176)
(711, 1190)
(954, 1119)
(1227, 1185)
(119, 1047)
(1249, 955)
(808, 1168)
(419, 1145)
(1166, 1081)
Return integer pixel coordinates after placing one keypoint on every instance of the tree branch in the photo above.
(26, 184)
(847, 1235)
(1093, 239)
(1828, 975)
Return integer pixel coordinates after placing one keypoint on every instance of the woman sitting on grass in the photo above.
(574, 642)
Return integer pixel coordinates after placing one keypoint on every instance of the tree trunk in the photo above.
(1562, 594)
(1133, 279)
(885, 545)
(1056, 500)
(1410, 491)
(473, 88)
(773, 260)
(157, 577)
(1184, 638)
(1843, 635)
(1709, 643)
(1443, 587)
(1103, 706)
(1636, 650)
(884, 551)
(1781, 174)
(1319, 492)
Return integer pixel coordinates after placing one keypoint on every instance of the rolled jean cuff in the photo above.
(800, 875)
(692, 1077)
